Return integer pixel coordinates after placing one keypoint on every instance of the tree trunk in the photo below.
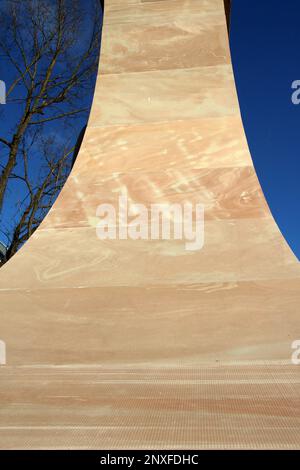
(12, 159)
(7, 171)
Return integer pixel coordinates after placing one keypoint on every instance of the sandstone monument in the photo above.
(140, 343)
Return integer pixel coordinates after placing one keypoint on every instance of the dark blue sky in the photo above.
(265, 38)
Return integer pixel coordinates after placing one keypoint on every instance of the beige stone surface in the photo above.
(141, 344)
(215, 407)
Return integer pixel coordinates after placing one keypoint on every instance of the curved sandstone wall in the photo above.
(165, 126)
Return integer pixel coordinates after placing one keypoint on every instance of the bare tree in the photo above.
(53, 71)
(41, 191)
(40, 40)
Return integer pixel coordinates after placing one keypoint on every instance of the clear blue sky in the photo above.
(265, 38)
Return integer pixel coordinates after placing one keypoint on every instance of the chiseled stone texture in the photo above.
(165, 126)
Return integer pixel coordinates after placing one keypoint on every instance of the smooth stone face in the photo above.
(109, 343)
(164, 134)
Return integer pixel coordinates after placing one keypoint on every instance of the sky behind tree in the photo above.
(63, 132)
